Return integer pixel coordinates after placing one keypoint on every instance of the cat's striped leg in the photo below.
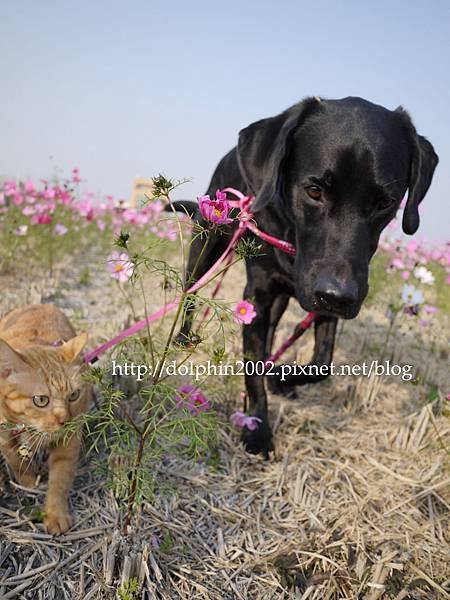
(20, 465)
(62, 465)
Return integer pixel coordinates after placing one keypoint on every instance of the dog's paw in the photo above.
(282, 388)
(258, 441)
(58, 521)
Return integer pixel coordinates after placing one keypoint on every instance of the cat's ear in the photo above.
(72, 348)
(12, 366)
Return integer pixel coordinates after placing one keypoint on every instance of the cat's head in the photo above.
(42, 386)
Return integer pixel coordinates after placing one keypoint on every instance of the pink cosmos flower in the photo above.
(49, 193)
(60, 229)
(398, 263)
(215, 210)
(9, 187)
(240, 419)
(436, 254)
(86, 209)
(75, 175)
(156, 208)
(50, 206)
(221, 196)
(29, 187)
(429, 309)
(405, 275)
(136, 217)
(130, 215)
(193, 399)
(116, 225)
(411, 247)
(43, 219)
(18, 198)
(120, 266)
(65, 197)
(244, 312)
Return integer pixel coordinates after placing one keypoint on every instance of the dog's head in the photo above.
(332, 174)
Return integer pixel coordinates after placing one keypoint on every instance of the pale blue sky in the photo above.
(121, 89)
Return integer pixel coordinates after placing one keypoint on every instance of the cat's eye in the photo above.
(41, 401)
(74, 395)
(314, 192)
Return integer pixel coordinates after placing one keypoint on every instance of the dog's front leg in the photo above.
(319, 367)
(203, 253)
(255, 340)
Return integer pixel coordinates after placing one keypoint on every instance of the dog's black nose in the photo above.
(335, 296)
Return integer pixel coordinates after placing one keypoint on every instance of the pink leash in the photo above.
(245, 222)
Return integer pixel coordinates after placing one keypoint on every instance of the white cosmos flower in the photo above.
(424, 275)
(411, 296)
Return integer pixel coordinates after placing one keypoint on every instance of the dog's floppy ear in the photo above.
(263, 147)
(423, 163)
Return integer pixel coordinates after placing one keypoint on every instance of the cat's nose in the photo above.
(61, 417)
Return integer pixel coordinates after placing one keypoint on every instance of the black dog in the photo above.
(328, 176)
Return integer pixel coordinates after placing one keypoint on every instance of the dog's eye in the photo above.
(314, 192)
(41, 401)
(386, 203)
(74, 395)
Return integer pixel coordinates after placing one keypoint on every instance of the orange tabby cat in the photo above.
(41, 388)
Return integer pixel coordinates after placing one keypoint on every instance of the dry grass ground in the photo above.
(355, 504)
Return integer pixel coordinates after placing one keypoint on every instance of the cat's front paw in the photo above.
(26, 479)
(58, 522)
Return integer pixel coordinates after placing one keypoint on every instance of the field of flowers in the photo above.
(355, 502)
(45, 222)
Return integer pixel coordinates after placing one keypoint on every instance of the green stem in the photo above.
(148, 422)
(388, 335)
(128, 301)
(149, 335)
(148, 415)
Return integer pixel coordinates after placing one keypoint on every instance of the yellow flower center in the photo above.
(118, 267)
(243, 310)
(217, 212)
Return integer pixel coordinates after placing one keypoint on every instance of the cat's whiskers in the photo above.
(36, 440)
(33, 441)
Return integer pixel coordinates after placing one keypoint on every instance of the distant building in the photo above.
(142, 191)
